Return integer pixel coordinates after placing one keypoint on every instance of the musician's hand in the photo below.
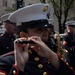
(43, 50)
(21, 54)
(40, 47)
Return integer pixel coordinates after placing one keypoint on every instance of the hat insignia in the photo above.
(45, 8)
(19, 24)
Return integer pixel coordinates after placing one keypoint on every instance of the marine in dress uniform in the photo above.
(36, 65)
(7, 38)
(69, 42)
(6, 43)
(51, 41)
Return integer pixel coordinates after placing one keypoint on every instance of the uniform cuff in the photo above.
(16, 71)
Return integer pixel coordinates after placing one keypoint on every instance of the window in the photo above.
(5, 3)
(13, 5)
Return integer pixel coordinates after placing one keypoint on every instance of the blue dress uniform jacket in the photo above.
(35, 66)
(6, 43)
(69, 44)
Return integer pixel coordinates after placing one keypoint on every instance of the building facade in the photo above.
(7, 6)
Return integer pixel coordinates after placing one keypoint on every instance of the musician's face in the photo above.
(70, 29)
(41, 32)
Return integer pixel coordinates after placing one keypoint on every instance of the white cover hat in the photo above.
(30, 13)
(70, 23)
(5, 17)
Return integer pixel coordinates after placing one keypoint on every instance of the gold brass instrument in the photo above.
(61, 51)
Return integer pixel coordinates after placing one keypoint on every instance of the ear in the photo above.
(23, 34)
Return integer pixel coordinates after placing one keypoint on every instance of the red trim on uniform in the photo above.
(16, 69)
(7, 54)
(3, 72)
(64, 43)
(66, 64)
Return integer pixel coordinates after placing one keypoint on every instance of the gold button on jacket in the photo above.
(14, 72)
(40, 66)
(36, 58)
(44, 73)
